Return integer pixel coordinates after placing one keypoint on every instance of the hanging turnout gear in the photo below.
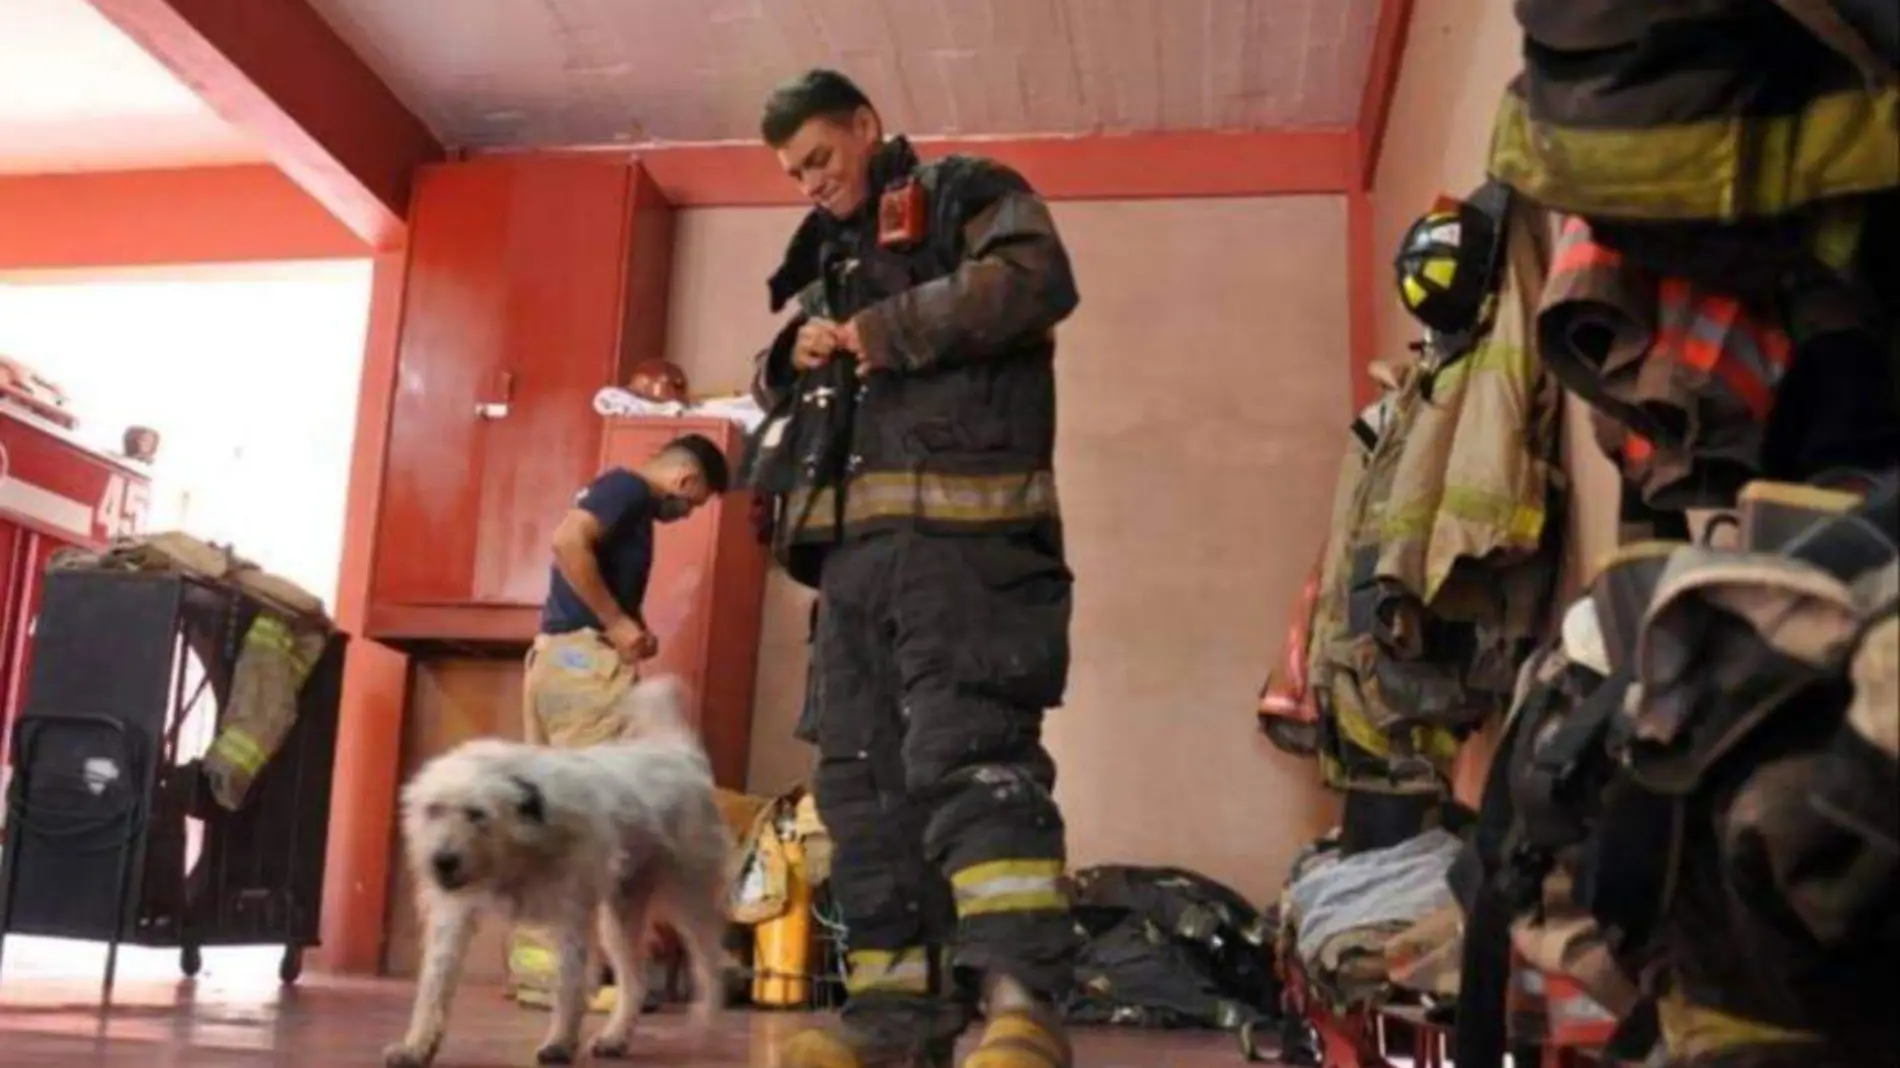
(1688, 780)
(1286, 710)
(1681, 378)
(1443, 551)
(1716, 111)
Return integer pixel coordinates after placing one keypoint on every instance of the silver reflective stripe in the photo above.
(1007, 885)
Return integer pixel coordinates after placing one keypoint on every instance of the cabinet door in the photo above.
(455, 312)
(514, 300)
(566, 266)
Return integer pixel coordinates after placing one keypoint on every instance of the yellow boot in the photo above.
(531, 975)
(1023, 1038)
(1021, 1033)
(833, 1045)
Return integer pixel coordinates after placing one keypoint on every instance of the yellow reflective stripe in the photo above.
(1521, 522)
(271, 633)
(1693, 1032)
(1494, 355)
(528, 956)
(951, 498)
(1009, 886)
(1837, 233)
(906, 971)
(1722, 168)
(240, 749)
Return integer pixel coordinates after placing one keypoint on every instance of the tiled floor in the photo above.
(324, 1023)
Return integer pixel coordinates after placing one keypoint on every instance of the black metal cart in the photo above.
(101, 794)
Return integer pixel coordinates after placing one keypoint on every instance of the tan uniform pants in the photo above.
(571, 684)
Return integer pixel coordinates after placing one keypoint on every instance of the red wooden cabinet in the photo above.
(704, 599)
(532, 282)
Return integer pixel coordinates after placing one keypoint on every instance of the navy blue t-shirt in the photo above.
(623, 503)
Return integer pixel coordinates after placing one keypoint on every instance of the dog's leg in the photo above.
(570, 990)
(451, 926)
(702, 928)
(623, 930)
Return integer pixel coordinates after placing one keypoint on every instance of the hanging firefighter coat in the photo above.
(1466, 557)
(1707, 111)
(1442, 557)
(1354, 752)
(1681, 379)
(1727, 823)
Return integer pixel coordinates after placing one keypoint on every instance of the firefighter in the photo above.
(593, 633)
(920, 362)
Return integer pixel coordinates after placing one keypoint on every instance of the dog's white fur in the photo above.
(623, 831)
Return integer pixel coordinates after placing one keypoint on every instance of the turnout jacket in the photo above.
(955, 432)
(1710, 111)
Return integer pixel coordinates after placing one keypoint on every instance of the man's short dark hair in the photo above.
(818, 93)
(706, 456)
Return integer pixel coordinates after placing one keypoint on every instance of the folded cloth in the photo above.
(615, 402)
(1398, 886)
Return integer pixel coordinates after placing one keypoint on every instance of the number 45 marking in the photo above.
(121, 510)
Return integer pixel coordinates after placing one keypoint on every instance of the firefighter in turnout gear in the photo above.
(906, 462)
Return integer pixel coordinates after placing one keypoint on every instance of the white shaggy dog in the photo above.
(624, 831)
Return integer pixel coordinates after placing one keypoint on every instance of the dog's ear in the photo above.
(533, 807)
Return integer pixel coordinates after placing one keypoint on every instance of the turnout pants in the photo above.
(571, 684)
(934, 660)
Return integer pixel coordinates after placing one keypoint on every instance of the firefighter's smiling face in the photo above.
(830, 159)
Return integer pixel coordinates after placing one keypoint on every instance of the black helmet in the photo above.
(1449, 260)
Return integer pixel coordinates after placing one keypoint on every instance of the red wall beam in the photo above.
(1365, 288)
(1093, 167)
(151, 218)
(275, 69)
(1362, 259)
(1382, 82)
(375, 677)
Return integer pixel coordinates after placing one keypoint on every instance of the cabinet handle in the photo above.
(500, 394)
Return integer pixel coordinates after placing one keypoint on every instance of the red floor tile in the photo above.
(327, 1023)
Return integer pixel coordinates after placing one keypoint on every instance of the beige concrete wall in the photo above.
(1203, 402)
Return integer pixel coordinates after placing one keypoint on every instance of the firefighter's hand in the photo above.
(633, 642)
(816, 342)
(849, 340)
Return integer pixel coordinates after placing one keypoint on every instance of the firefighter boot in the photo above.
(1021, 1033)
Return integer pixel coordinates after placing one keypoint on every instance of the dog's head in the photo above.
(475, 818)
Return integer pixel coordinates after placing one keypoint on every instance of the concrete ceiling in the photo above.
(78, 95)
(548, 72)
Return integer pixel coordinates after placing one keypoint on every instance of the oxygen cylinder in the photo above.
(782, 946)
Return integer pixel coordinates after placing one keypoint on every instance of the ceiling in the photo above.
(548, 72)
(78, 95)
